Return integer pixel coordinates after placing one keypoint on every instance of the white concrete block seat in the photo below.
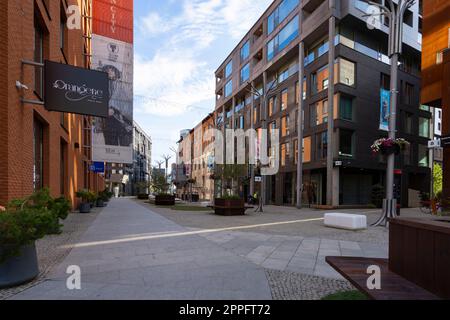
(346, 221)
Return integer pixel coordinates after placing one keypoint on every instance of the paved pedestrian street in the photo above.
(133, 252)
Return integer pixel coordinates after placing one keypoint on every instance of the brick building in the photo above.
(436, 69)
(41, 148)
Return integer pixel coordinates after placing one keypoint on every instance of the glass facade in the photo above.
(283, 39)
(245, 51)
(245, 73)
(229, 88)
(280, 13)
(229, 69)
(424, 127)
(346, 108)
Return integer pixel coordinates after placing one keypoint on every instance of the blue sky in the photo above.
(178, 45)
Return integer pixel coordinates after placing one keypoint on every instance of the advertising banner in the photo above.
(112, 52)
(76, 90)
(385, 109)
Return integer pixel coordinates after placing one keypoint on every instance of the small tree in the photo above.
(142, 187)
(437, 179)
(230, 173)
(159, 183)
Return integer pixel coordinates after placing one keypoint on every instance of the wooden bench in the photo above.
(393, 286)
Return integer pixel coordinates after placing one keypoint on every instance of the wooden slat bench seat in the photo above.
(393, 286)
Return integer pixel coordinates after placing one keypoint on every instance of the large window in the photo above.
(306, 150)
(321, 145)
(280, 13)
(424, 127)
(272, 106)
(317, 51)
(229, 69)
(284, 99)
(39, 57)
(285, 154)
(229, 88)
(346, 108)
(319, 113)
(283, 39)
(423, 156)
(408, 93)
(408, 123)
(245, 51)
(346, 143)
(297, 91)
(344, 72)
(245, 73)
(285, 124)
(38, 155)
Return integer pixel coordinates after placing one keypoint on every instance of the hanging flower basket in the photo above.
(388, 146)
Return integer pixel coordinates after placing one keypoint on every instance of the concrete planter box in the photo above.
(225, 207)
(85, 208)
(21, 269)
(164, 200)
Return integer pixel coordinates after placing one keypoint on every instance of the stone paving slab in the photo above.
(130, 252)
(295, 253)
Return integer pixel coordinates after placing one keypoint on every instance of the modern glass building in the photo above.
(342, 115)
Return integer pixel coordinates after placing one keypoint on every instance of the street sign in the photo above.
(97, 167)
(434, 144)
(258, 179)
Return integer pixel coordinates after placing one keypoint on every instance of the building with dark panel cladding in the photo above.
(341, 117)
(41, 148)
(436, 70)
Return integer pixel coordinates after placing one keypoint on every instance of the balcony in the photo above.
(310, 5)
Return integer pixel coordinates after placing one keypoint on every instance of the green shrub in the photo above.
(22, 226)
(86, 196)
(59, 208)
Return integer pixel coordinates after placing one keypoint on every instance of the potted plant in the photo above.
(86, 197)
(103, 198)
(230, 204)
(59, 207)
(99, 201)
(388, 146)
(160, 187)
(21, 224)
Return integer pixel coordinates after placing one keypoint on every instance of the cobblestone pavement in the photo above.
(287, 285)
(54, 248)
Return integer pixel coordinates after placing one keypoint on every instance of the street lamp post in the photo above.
(395, 15)
(264, 97)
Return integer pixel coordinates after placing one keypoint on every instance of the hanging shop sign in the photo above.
(76, 90)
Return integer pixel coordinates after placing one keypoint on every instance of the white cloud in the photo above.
(170, 83)
(175, 77)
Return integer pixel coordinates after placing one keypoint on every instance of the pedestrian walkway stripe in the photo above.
(187, 233)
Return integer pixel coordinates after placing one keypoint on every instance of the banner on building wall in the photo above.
(385, 109)
(75, 90)
(112, 52)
